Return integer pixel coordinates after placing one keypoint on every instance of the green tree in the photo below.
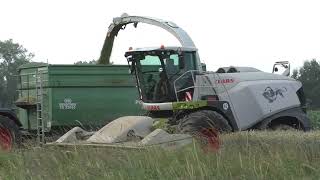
(309, 75)
(12, 55)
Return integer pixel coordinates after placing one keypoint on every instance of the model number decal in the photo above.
(67, 104)
(153, 108)
(224, 81)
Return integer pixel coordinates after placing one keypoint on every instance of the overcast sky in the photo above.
(240, 32)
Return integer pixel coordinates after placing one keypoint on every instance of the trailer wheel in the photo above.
(10, 136)
(205, 126)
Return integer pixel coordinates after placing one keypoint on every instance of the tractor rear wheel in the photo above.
(10, 136)
(206, 126)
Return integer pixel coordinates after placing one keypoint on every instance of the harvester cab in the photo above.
(156, 70)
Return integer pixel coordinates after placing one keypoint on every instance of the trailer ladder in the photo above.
(39, 104)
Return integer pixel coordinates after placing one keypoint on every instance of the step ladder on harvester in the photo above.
(39, 104)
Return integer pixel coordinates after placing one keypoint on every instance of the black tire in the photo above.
(205, 126)
(283, 127)
(194, 122)
(10, 136)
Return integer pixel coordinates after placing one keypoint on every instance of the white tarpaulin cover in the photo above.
(122, 129)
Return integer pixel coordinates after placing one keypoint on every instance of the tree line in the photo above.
(13, 55)
(309, 75)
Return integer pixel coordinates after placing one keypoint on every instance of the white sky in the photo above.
(240, 32)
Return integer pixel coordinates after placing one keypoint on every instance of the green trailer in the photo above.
(75, 95)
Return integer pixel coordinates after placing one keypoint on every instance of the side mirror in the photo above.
(204, 67)
(181, 62)
(132, 68)
(282, 68)
(130, 64)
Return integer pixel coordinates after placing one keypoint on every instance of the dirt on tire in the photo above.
(205, 125)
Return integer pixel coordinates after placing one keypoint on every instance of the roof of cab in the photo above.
(174, 48)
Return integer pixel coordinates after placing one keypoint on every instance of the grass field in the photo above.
(245, 155)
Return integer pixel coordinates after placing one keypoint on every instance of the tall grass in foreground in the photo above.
(245, 155)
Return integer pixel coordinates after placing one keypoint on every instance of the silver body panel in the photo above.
(253, 96)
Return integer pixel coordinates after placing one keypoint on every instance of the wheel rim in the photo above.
(5, 139)
(211, 139)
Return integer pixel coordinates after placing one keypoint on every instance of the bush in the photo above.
(314, 116)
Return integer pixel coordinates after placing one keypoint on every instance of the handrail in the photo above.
(194, 82)
(175, 81)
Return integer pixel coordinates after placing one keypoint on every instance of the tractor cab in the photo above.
(156, 70)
